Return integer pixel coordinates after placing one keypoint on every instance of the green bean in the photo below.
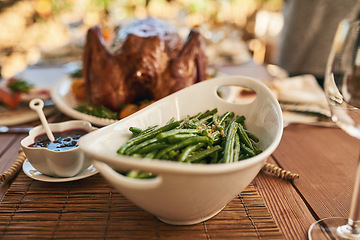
(184, 123)
(230, 140)
(252, 136)
(244, 137)
(202, 161)
(192, 120)
(151, 154)
(215, 136)
(197, 123)
(225, 116)
(243, 156)
(149, 129)
(247, 150)
(227, 124)
(225, 139)
(139, 146)
(202, 154)
(204, 120)
(188, 150)
(138, 174)
(180, 137)
(136, 131)
(215, 156)
(240, 119)
(227, 127)
(217, 123)
(192, 124)
(166, 134)
(142, 138)
(151, 147)
(236, 148)
(196, 116)
(172, 155)
(257, 150)
(222, 160)
(171, 120)
(183, 144)
(208, 113)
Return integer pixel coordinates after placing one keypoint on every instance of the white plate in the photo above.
(65, 101)
(21, 115)
(31, 172)
(42, 78)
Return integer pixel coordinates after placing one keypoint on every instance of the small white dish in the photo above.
(65, 101)
(65, 163)
(31, 172)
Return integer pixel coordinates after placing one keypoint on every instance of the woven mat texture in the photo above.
(92, 209)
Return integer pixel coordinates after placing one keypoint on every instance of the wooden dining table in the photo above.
(325, 158)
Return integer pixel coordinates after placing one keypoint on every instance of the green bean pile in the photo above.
(205, 138)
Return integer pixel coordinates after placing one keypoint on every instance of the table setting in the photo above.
(110, 185)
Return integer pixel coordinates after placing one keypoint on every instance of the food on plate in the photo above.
(131, 108)
(78, 84)
(78, 88)
(103, 112)
(19, 85)
(10, 99)
(77, 74)
(100, 111)
(128, 110)
(206, 138)
(150, 61)
(63, 140)
(11, 94)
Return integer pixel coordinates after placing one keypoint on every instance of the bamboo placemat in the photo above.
(92, 209)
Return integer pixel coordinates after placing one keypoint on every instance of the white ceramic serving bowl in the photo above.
(57, 163)
(184, 194)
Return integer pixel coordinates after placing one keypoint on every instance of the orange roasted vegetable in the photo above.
(143, 105)
(10, 99)
(78, 88)
(128, 110)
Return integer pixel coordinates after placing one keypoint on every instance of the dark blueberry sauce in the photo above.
(63, 140)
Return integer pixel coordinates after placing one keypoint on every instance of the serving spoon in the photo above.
(37, 105)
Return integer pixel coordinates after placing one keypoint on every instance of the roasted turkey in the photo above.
(151, 62)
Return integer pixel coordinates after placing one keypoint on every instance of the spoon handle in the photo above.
(37, 105)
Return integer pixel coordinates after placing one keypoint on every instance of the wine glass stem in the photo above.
(355, 202)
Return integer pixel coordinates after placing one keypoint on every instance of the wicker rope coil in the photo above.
(14, 169)
(279, 172)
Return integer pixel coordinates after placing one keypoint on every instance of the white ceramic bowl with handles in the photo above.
(57, 163)
(181, 193)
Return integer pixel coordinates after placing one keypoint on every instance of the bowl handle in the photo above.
(260, 88)
(125, 182)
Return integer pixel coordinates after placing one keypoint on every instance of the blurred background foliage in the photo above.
(33, 31)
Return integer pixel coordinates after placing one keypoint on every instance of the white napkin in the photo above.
(300, 89)
(299, 95)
